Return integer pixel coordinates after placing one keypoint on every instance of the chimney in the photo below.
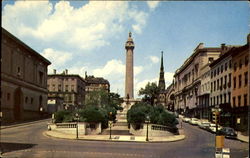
(66, 71)
(223, 47)
(54, 71)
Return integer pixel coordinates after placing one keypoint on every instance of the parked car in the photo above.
(228, 132)
(212, 128)
(193, 121)
(203, 124)
(186, 119)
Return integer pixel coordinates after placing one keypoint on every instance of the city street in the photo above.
(29, 142)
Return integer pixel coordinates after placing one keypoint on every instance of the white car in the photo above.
(194, 121)
(212, 128)
(203, 124)
(186, 119)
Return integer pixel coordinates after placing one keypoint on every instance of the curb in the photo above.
(23, 124)
(112, 140)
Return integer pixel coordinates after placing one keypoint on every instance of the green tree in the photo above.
(150, 93)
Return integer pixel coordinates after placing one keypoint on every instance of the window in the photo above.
(226, 66)
(217, 100)
(239, 101)
(59, 88)
(66, 88)
(8, 96)
(235, 66)
(214, 72)
(230, 64)
(218, 84)
(246, 78)
(211, 86)
(239, 81)
(234, 82)
(225, 83)
(221, 83)
(240, 64)
(72, 88)
(18, 71)
(245, 100)
(225, 98)
(53, 87)
(229, 80)
(214, 85)
(246, 60)
(211, 74)
(221, 99)
(218, 70)
(210, 59)
(229, 97)
(221, 68)
(40, 77)
(26, 100)
(233, 101)
(214, 101)
(31, 100)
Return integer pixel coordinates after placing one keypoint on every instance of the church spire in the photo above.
(161, 84)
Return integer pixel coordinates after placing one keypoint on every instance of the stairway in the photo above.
(121, 125)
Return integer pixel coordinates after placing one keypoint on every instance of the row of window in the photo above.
(240, 80)
(240, 63)
(219, 85)
(220, 99)
(221, 68)
(239, 100)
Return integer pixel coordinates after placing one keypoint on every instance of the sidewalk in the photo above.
(120, 138)
(24, 123)
(242, 137)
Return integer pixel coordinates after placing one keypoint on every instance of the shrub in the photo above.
(60, 116)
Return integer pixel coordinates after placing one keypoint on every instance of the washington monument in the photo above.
(129, 81)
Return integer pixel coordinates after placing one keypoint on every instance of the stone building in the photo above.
(220, 83)
(23, 80)
(70, 87)
(203, 106)
(169, 97)
(55, 104)
(187, 79)
(240, 79)
(96, 83)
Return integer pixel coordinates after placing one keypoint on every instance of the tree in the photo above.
(150, 93)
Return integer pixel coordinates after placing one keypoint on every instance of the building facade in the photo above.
(70, 87)
(187, 79)
(23, 80)
(220, 83)
(204, 95)
(240, 79)
(55, 104)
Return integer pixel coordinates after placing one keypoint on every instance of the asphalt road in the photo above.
(29, 142)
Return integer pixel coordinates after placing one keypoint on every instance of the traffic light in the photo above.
(215, 117)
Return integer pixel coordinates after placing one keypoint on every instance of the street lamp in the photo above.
(147, 121)
(110, 124)
(77, 119)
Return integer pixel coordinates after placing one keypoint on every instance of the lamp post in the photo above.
(147, 121)
(77, 119)
(110, 124)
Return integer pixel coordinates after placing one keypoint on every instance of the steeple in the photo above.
(161, 84)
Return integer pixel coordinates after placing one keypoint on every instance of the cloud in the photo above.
(88, 27)
(154, 59)
(152, 4)
(57, 58)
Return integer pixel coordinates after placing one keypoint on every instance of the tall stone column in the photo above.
(129, 81)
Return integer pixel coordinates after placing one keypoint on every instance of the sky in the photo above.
(90, 35)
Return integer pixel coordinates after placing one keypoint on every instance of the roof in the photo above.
(66, 76)
(6, 33)
(197, 50)
(96, 80)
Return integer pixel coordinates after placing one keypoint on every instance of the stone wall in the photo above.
(153, 130)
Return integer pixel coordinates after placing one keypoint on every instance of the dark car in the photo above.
(228, 132)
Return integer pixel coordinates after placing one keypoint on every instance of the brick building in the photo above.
(70, 87)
